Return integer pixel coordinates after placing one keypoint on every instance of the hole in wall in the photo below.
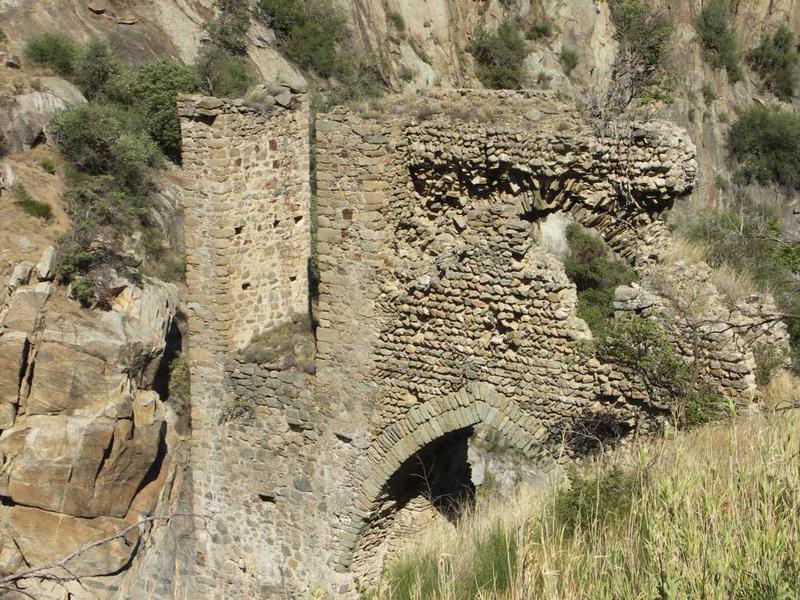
(293, 278)
(246, 285)
(298, 219)
(269, 498)
(238, 229)
(275, 223)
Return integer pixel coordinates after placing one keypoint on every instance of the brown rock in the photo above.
(80, 466)
(42, 537)
(69, 381)
(13, 355)
(25, 306)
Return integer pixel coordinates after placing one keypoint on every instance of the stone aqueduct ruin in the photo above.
(440, 313)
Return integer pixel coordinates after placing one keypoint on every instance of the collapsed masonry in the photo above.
(441, 314)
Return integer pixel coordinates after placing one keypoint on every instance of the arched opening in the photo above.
(433, 485)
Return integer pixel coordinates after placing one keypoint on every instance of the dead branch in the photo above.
(59, 573)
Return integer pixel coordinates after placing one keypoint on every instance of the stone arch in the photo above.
(474, 404)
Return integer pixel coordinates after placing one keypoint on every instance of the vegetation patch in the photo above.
(540, 29)
(746, 237)
(718, 39)
(569, 59)
(597, 498)
(776, 60)
(500, 56)
(314, 35)
(736, 524)
(54, 50)
(764, 144)
(640, 69)
(31, 206)
(180, 393)
(223, 65)
(289, 344)
(597, 273)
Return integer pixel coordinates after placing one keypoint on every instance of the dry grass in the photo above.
(289, 344)
(732, 283)
(717, 516)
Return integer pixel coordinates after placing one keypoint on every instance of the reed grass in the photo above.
(714, 513)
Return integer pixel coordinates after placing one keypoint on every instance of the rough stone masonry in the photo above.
(441, 313)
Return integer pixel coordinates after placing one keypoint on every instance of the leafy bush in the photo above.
(397, 21)
(640, 70)
(500, 56)
(223, 65)
(101, 75)
(99, 139)
(642, 349)
(776, 61)
(718, 40)
(540, 29)
(224, 74)
(283, 16)
(229, 29)
(154, 92)
(54, 50)
(31, 206)
(597, 273)
(568, 58)
(765, 145)
(596, 500)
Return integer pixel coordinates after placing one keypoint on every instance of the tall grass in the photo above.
(716, 514)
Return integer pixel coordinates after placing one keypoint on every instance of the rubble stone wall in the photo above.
(441, 312)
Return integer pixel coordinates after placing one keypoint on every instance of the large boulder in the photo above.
(82, 466)
(22, 124)
(32, 537)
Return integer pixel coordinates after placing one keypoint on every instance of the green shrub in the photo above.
(500, 56)
(569, 59)
(718, 40)
(31, 206)
(703, 406)
(224, 74)
(54, 50)
(154, 91)
(397, 21)
(540, 29)
(776, 61)
(99, 139)
(764, 143)
(709, 95)
(48, 166)
(641, 349)
(223, 66)
(596, 500)
(597, 273)
(152, 243)
(283, 16)
(228, 30)
(643, 33)
(3, 37)
(180, 378)
(101, 75)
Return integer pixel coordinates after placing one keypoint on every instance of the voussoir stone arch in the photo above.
(474, 404)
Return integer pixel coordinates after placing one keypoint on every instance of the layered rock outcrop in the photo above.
(83, 425)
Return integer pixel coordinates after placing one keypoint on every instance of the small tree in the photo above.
(154, 90)
(764, 144)
(776, 61)
(500, 56)
(718, 39)
(54, 50)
